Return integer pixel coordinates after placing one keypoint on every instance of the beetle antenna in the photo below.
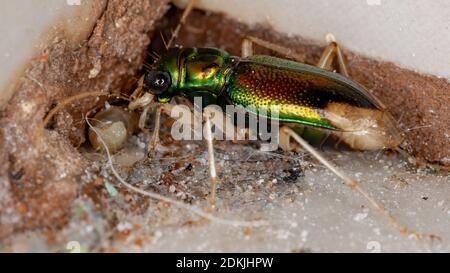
(65, 102)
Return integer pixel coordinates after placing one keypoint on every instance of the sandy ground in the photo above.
(307, 209)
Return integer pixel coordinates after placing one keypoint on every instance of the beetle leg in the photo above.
(143, 118)
(211, 160)
(327, 57)
(247, 48)
(354, 185)
(330, 53)
(146, 101)
(155, 136)
(166, 109)
(285, 143)
(186, 12)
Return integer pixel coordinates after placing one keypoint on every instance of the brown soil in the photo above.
(41, 173)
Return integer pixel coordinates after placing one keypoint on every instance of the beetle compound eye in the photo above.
(156, 82)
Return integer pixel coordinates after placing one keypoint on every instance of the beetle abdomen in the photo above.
(312, 96)
(301, 94)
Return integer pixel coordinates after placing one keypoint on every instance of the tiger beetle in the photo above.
(307, 97)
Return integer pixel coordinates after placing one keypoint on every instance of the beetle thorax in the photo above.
(204, 69)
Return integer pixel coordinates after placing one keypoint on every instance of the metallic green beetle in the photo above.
(305, 94)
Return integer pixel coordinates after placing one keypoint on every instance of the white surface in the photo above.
(28, 26)
(315, 213)
(412, 33)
